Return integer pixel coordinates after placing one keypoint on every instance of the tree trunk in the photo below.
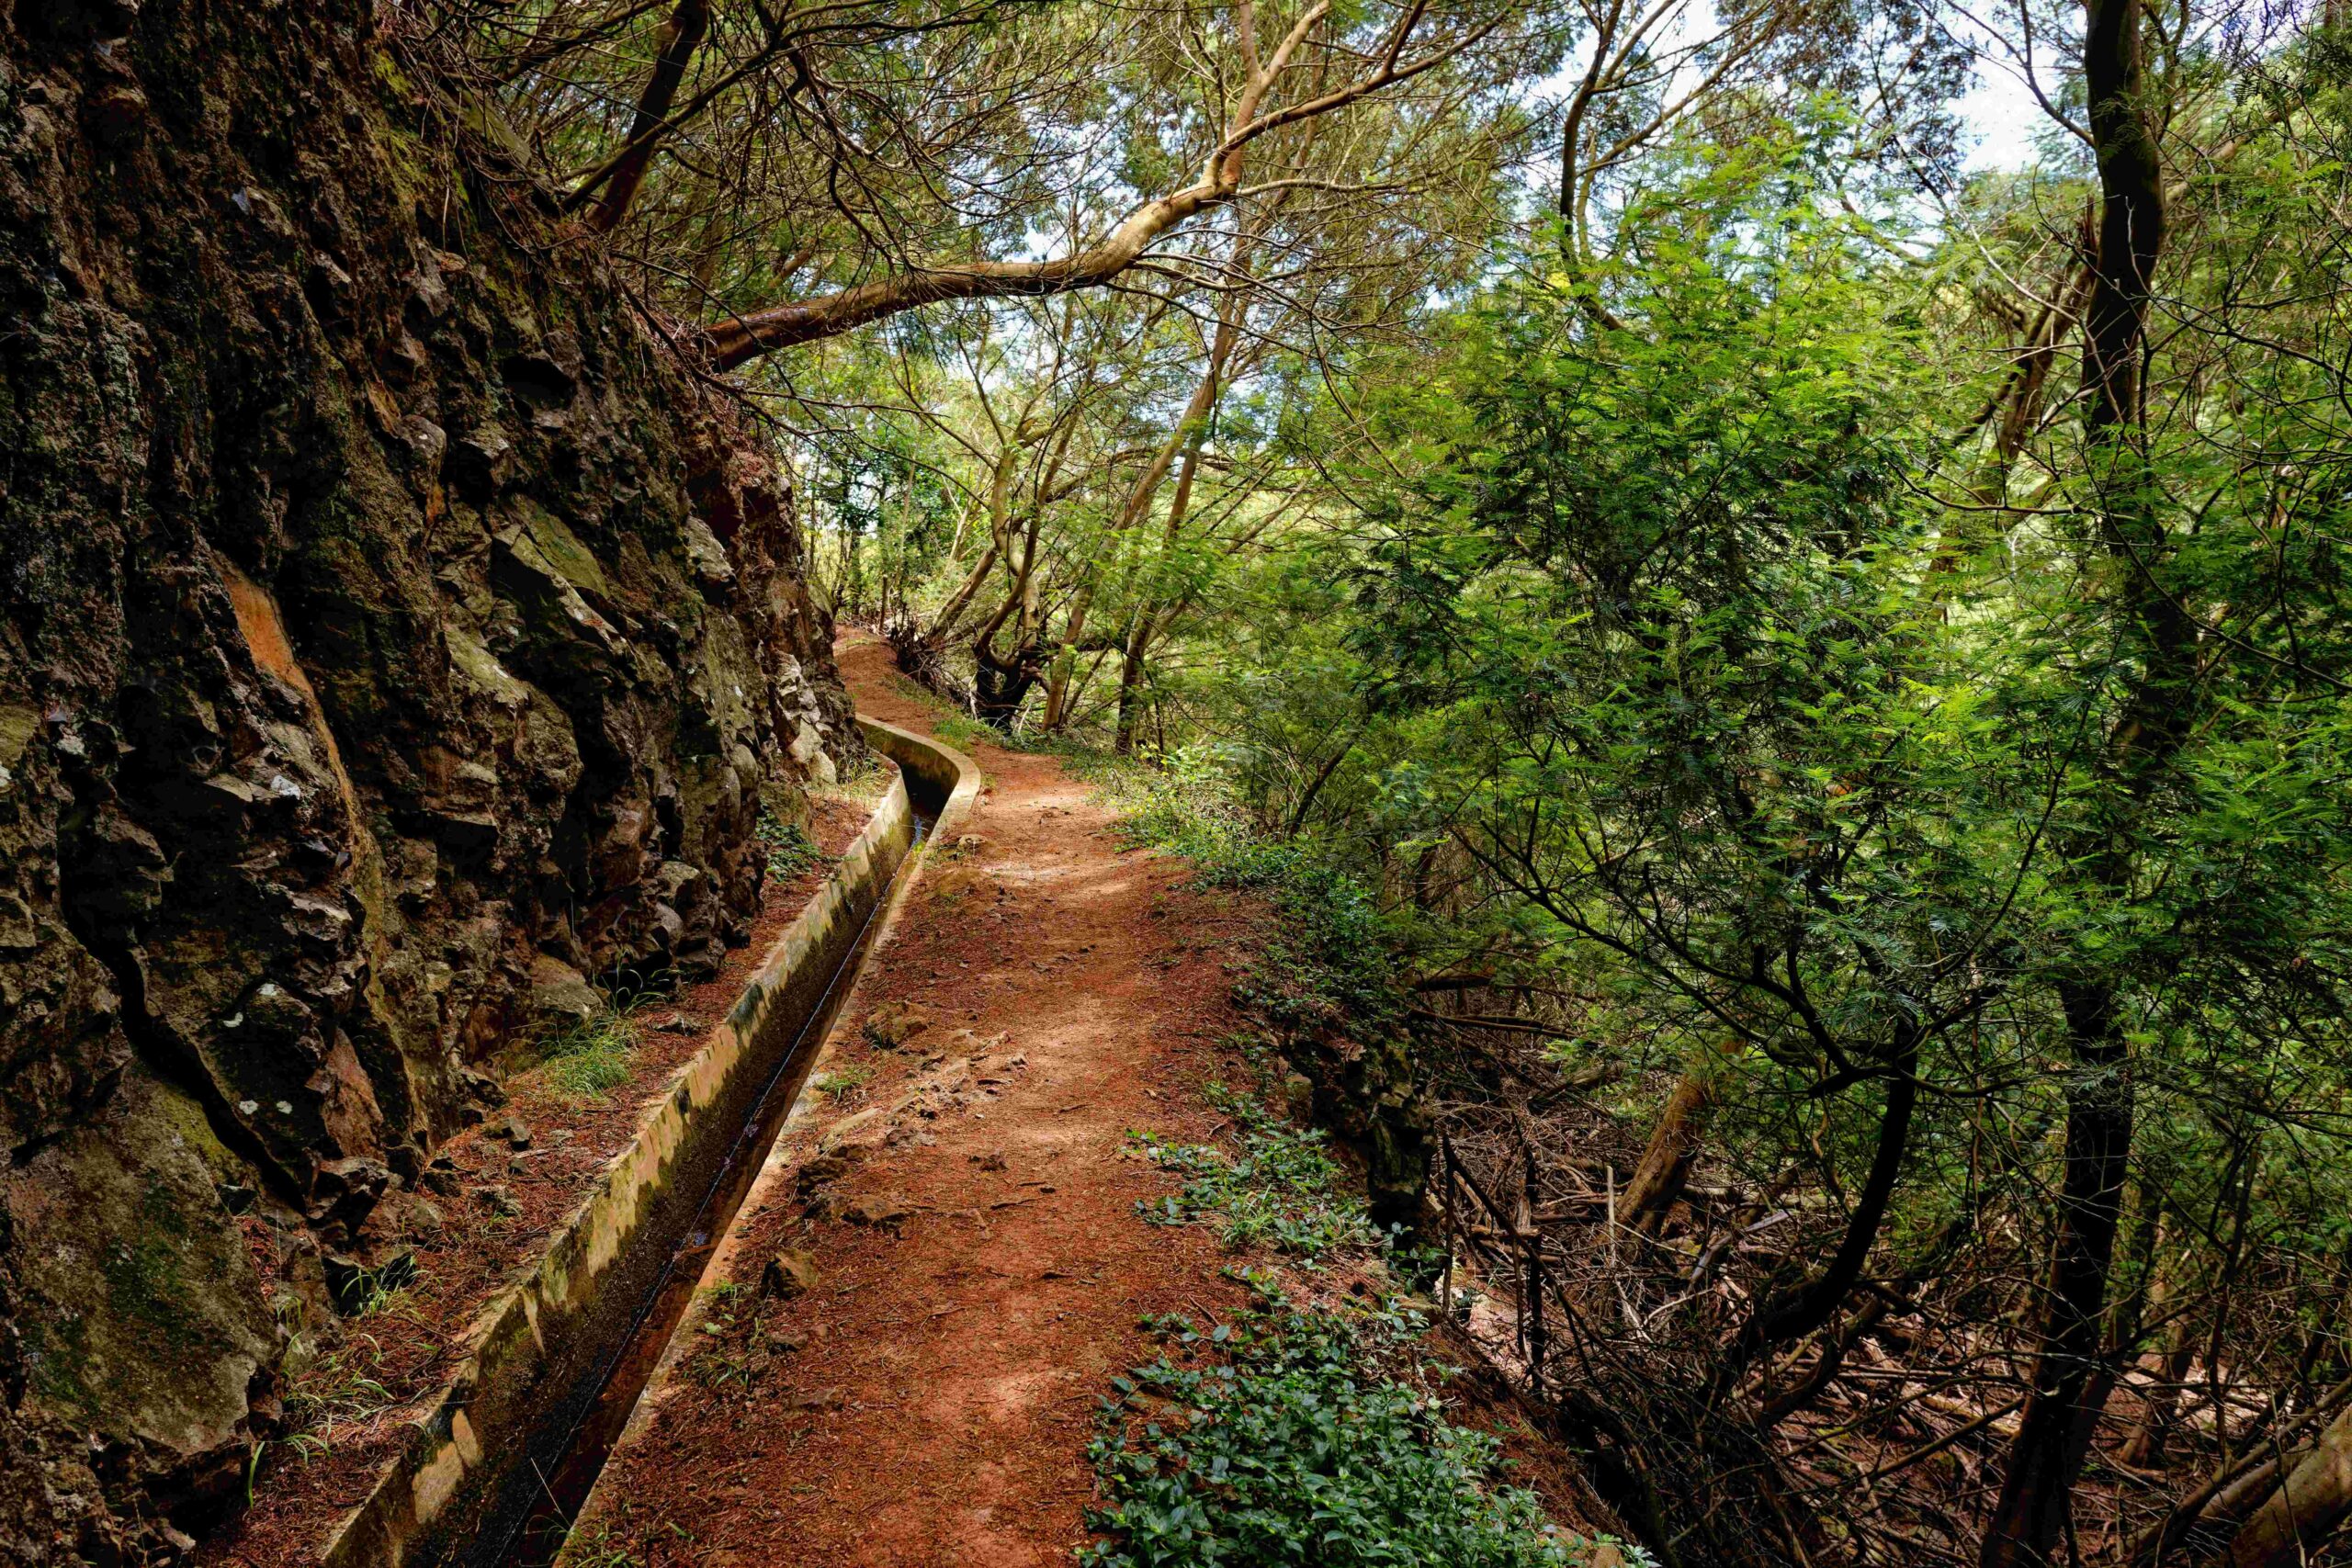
(2145, 1448)
(1133, 511)
(1148, 622)
(1789, 1315)
(1658, 1181)
(2053, 1434)
(681, 36)
(2305, 1510)
(2015, 411)
(1948, 1239)
(1001, 682)
(1190, 432)
(1131, 656)
(743, 338)
(1000, 509)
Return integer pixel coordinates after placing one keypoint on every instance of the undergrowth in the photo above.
(790, 849)
(588, 1059)
(841, 1084)
(1268, 1442)
(335, 1385)
(1282, 1189)
(860, 780)
(625, 1543)
(959, 729)
(1330, 962)
(329, 1380)
(725, 1363)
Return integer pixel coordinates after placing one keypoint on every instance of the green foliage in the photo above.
(626, 1538)
(328, 1383)
(601, 1546)
(1281, 1190)
(727, 1363)
(959, 729)
(385, 1293)
(789, 849)
(1265, 1442)
(589, 1058)
(1654, 597)
(844, 1083)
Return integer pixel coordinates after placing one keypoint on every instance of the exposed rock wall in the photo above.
(386, 628)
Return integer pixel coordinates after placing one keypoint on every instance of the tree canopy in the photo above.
(1830, 662)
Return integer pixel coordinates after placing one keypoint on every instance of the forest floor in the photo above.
(958, 1211)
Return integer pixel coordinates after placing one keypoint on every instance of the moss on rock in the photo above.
(380, 609)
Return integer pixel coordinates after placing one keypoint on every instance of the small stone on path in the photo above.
(788, 1274)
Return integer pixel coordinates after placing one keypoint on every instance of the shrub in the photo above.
(1283, 1453)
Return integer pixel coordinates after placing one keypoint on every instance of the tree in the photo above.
(1843, 715)
(2054, 1432)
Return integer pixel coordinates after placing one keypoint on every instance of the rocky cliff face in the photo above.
(389, 633)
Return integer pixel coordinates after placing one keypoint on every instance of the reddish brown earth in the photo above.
(952, 1358)
(969, 1207)
(489, 1220)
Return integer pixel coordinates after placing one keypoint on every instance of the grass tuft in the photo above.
(844, 1083)
(962, 729)
(589, 1059)
(331, 1382)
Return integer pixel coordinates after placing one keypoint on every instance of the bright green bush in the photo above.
(1265, 1443)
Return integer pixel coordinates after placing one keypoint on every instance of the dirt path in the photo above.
(967, 1202)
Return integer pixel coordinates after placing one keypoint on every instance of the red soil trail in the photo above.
(967, 1199)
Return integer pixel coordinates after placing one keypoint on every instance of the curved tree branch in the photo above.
(743, 338)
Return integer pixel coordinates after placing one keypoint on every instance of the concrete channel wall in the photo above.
(949, 783)
(940, 775)
(541, 1346)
